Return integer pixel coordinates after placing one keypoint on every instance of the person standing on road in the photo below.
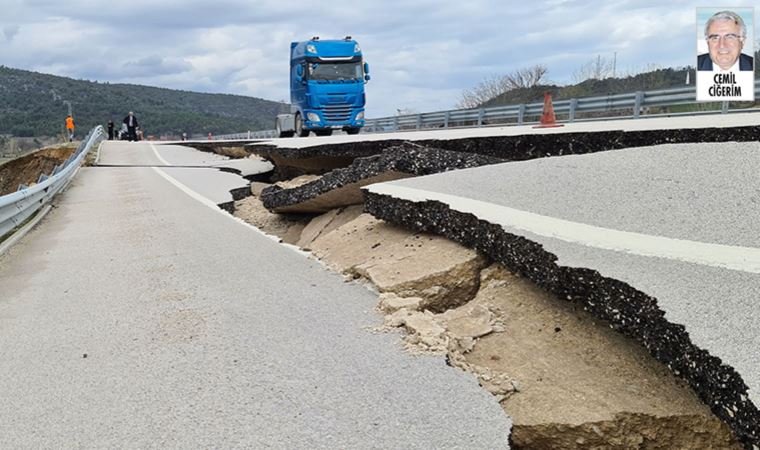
(131, 122)
(110, 130)
(70, 127)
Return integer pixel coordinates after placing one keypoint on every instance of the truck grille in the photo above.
(337, 113)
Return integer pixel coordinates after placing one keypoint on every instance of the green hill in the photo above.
(645, 81)
(33, 104)
(657, 79)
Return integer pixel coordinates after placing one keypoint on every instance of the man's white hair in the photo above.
(727, 15)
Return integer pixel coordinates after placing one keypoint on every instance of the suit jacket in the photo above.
(705, 63)
(134, 121)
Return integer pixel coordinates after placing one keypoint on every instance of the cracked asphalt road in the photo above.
(135, 316)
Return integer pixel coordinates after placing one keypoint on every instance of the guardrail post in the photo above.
(481, 113)
(521, 114)
(573, 105)
(446, 118)
(395, 123)
(724, 108)
(419, 121)
(637, 104)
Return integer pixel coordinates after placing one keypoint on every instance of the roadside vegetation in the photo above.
(596, 77)
(36, 104)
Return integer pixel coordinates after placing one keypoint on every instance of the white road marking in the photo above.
(745, 259)
(214, 206)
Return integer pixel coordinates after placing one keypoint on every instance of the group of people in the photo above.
(130, 128)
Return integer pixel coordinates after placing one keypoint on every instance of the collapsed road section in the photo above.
(659, 242)
(293, 157)
(430, 289)
(564, 377)
(341, 187)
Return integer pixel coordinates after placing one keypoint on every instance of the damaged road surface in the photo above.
(660, 242)
(139, 313)
(211, 175)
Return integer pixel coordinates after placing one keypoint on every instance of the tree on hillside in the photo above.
(598, 68)
(496, 85)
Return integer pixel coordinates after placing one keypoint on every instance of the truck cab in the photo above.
(327, 80)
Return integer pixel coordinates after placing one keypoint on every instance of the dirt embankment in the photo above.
(565, 378)
(27, 169)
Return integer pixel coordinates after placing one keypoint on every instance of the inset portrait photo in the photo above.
(725, 66)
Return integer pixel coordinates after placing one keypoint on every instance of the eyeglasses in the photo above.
(731, 38)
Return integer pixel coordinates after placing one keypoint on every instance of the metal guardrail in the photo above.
(17, 207)
(633, 105)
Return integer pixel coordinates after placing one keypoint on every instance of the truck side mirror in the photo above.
(367, 77)
(366, 67)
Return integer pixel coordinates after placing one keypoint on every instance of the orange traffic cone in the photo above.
(548, 119)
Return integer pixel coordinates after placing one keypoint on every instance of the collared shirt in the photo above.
(734, 68)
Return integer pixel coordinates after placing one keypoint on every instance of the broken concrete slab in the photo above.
(352, 243)
(493, 360)
(618, 286)
(468, 321)
(443, 273)
(327, 222)
(579, 382)
(389, 303)
(566, 378)
(342, 187)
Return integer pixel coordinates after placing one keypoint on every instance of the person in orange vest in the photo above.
(70, 127)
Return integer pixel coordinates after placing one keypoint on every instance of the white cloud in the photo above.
(422, 54)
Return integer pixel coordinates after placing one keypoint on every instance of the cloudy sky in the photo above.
(422, 54)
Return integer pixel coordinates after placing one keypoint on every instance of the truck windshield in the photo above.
(335, 71)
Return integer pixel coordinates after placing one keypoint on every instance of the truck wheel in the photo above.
(327, 132)
(279, 132)
(299, 127)
(352, 130)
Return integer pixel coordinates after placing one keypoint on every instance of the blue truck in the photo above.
(327, 80)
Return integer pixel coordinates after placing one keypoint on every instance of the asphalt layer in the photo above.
(136, 316)
(405, 159)
(703, 193)
(643, 124)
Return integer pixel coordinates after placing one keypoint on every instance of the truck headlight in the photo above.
(314, 117)
(360, 116)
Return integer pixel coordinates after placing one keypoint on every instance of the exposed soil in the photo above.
(27, 169)
(565, 378)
